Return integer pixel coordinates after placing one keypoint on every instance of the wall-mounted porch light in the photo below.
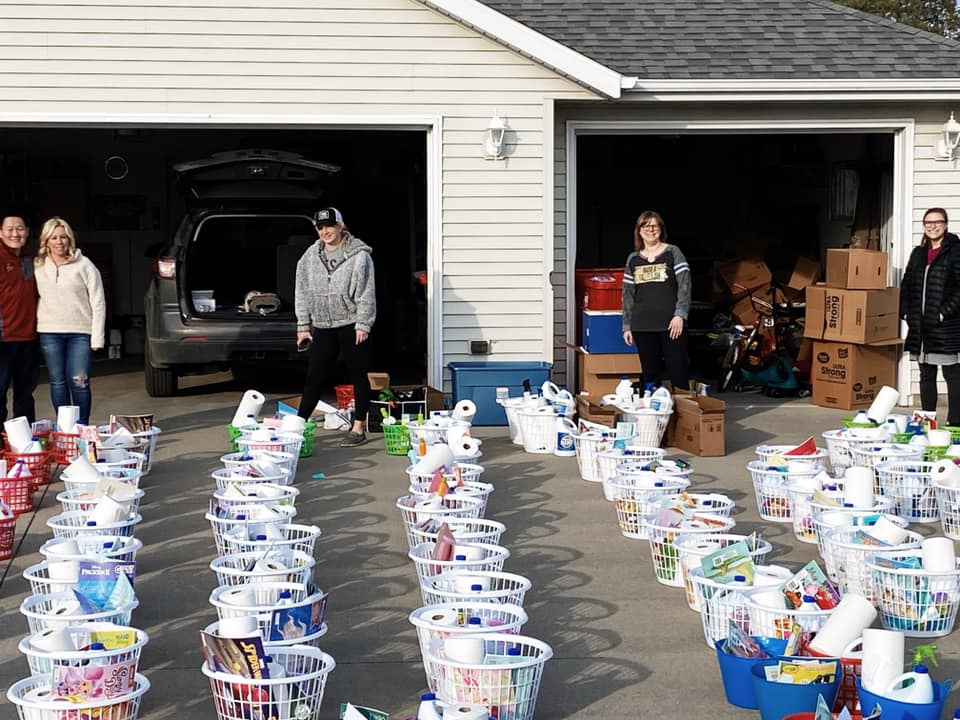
(946, 148)
(493, 140)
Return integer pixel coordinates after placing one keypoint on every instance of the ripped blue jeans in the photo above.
(67, 356)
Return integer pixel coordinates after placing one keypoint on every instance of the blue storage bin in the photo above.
(478, 381)
(603, 333)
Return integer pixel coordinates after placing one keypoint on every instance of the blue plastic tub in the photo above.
(893, 710)
(776, 700)
(478, 381)
(735, 672)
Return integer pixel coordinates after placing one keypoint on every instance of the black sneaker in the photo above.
(353, 439)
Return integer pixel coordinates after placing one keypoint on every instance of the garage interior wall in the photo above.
(743, 225)
(325, 64)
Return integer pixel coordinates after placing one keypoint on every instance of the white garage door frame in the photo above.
(902, 133)
(431, 125)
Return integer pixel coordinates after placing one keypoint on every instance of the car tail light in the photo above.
(165, 267)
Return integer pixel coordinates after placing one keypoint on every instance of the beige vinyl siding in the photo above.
(326, 63)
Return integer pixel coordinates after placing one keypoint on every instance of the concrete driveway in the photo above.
(625, 646)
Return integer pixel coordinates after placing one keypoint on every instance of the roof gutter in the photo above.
(935, 89)
(518, 37)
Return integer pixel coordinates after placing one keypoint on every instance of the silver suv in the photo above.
(222, 290)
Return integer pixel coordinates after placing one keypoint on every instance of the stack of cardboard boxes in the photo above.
(854, 321)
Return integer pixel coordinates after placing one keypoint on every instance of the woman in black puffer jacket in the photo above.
(930, 303)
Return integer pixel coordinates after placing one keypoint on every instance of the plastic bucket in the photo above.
(893, 710)
(735, 673)
(776, 700)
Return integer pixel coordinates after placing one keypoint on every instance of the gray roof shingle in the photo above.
(738, 39)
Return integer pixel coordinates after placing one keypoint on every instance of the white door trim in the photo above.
(902, 130)
(431, 124)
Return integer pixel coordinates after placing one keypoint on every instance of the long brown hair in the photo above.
(925, 241)
(645, 216)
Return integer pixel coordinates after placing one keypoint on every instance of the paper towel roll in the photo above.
(466, 447)
(19, 434)
(471, 552)
(107, 511)
(250, 404)
(845, 624)
(465, 712)
(240, 596)
(466, 650)
(54, 640)
(67, 416)
(438, 456)
(881, 406)
(66, 572)
(945, 473)
(939, 438)
(938, 555)
(292, 424)
(465, 583)
(82, 470)
(238, 627)
(445, 618)
(465, 410)
(886, 531)
(882, 658)
(858, 486)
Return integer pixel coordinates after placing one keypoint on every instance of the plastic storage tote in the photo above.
(478, 381)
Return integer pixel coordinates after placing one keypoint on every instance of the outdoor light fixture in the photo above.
(949, 139)
(493, 140)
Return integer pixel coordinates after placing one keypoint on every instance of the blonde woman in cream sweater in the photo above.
(71, 315)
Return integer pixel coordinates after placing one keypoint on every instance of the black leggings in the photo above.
(328, 345)
(656, 349)
(928, 390)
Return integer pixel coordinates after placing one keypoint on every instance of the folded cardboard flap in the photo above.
(699, 405)
(698, 425)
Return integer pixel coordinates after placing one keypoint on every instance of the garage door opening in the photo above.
(116, 188)
(776, 196)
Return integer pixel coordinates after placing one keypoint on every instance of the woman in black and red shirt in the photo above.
(656, 302)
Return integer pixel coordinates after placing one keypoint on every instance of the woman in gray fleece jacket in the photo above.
(336, 306)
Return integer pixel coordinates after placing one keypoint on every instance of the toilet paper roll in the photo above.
(107, 511)
(438, 456)
(241, 596)
(445, 618)
(65, 570)
(54, 640)
(267, 567)
(883, 404)
(40, 694)
(250, 404)
(836, 519)
(456, 434)
(465, 583)
(938, 554)
(66, 548)
(466, 650)
(465, 712)
(858, 486)
(953, 451)
(263, 435)
(945, 473)
(807, 482)
(292, 424)
(769, 598)
(238, 627)
(465, 410)
(67, 416)
(939, 438)
(882, 658)
(886, 531)
(82, 470)
(466, 447)
(19, 434)
(472, 552)
(65, 608)
(845, 624)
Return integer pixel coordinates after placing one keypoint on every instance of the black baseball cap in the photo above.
(327, 216)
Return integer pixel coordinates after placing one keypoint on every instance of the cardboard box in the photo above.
(378, 380)
(291, 406)
(849, 376)
(857, 316)
(806, 272)
(588, 409)
(698, 425)
(738, 277)
(599, 373)
(856, 269)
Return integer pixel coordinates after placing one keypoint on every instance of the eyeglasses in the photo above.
(934, 223)
(649, 226)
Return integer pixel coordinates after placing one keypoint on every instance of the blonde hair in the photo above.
(48, 228)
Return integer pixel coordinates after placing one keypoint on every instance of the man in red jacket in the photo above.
(19, 353)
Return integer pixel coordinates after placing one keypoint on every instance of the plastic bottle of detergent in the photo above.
(911, 687)
(565, 446)
(564, 404)
(740, 614)
(661, 400)
(428, 707)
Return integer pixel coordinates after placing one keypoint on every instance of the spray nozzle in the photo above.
(925, 655)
